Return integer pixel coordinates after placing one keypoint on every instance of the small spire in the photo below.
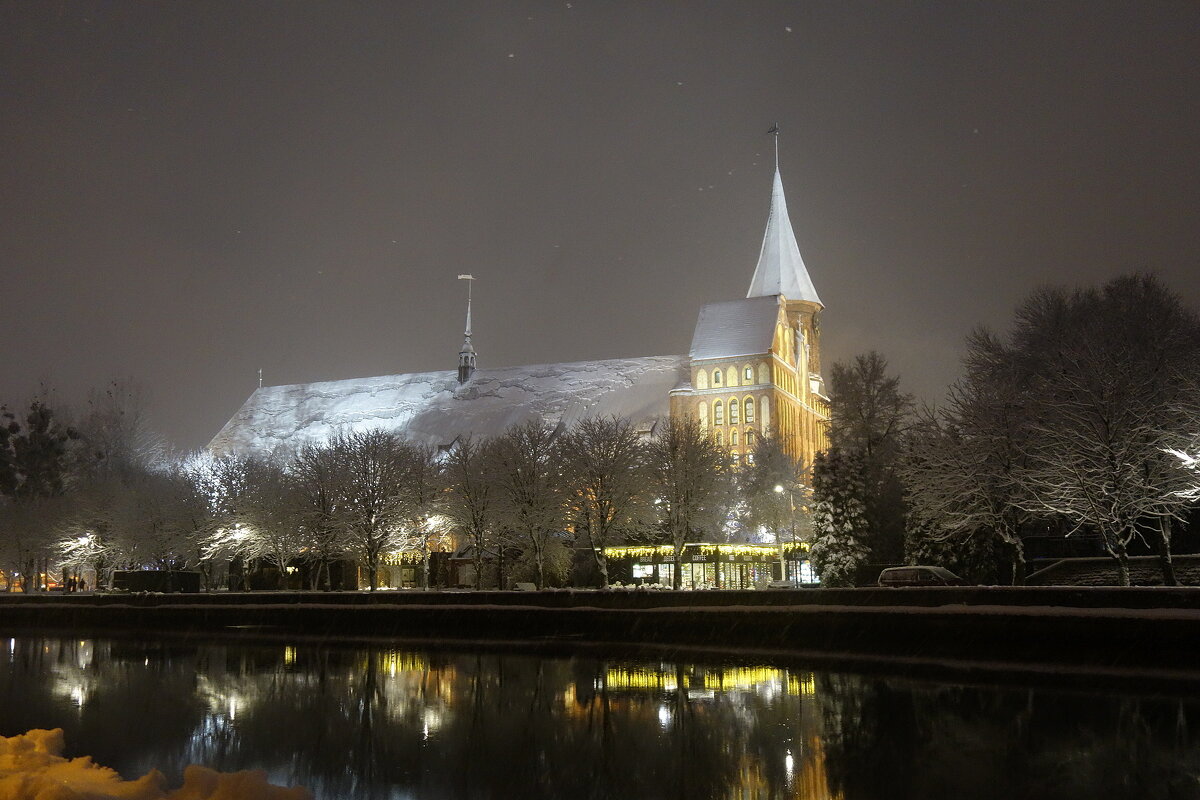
(466, 356)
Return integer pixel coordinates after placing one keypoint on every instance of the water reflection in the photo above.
(382, 723)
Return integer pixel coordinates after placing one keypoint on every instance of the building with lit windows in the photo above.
(754, 370)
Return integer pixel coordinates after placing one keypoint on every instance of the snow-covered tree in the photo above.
(1113, 376)
(840, 522)
(316, 481)
(964, 462)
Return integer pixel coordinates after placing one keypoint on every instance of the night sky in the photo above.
(192, 191)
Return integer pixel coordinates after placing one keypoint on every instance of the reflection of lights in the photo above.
(77, 696)
(664, 716)
(789, 764)
(289, 656)
(232, 708)
(432, 719)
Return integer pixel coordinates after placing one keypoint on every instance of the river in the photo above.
(423, 722)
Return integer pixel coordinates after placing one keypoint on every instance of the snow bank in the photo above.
(32, 767)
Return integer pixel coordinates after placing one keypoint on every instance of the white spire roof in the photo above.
(780, 269)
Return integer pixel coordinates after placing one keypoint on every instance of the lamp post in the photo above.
(779, 489)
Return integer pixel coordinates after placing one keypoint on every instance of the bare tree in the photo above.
(376, 505)
(529, 500)
(316, 481)
(1113, 373)
(469, 501)
(423, 486)
(775, 494)
(603, 464)
(691, 477)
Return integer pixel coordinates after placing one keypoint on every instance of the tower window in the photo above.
(748, 374)
(733, 438)
(716, 377)
(720, 439)
(733, 411)
(718, 413)
(749, 409)
(749, 437)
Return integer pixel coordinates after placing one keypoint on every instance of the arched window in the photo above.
(716, 377)
(764, 413)
(733, 439)
(749, 437)
(718, 413)
(764, 375)
(749, 458)
(702, 409)
(720, 439)
(733, 411)
(749, 404)
(702, 379)
(748, 375)
(731, 376)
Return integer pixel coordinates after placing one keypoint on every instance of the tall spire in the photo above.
(780, 269)
(466, 356)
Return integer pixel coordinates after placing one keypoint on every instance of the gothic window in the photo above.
(763, 375)
(749, 456)
(716, 377)
(749, 437)
(731, 377)
(734, 458)
(748, 375)
(720, 439)
(703, 411)
(702, 379)
(733, 411)
(749, 409)
(733, 437)
(764, 413)
(718, 413)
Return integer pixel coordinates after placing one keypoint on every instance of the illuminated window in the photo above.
(703, 411)
(733, 438)
(748, 375)
(716, 377)
(749, 409)
(718, 413)
(749, 437)
(720, 439)
(702, 379)
(734, 405)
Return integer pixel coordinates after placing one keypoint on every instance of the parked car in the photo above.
(919, 576)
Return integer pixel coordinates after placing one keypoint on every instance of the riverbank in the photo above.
(1142, 630)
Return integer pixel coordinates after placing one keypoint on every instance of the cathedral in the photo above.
(754, 369)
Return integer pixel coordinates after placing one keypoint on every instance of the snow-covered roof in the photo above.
(735, 328)
(432, 408)
(780, 269)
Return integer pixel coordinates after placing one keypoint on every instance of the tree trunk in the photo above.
(677, 573)
(1122, 564)
(1164, 552)
(1018, 562)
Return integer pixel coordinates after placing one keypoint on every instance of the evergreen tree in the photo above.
(839, 546)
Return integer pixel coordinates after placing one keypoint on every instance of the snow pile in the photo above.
(32, 767)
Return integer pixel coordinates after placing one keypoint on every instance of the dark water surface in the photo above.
(397, 722)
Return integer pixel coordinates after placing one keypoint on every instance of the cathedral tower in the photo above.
(756, 363)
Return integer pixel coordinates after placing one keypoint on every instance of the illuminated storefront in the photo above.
(709, 566)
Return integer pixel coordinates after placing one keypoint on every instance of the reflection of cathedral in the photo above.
(754, 368)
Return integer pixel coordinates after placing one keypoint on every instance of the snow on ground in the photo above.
(32, 767)
(431, 407)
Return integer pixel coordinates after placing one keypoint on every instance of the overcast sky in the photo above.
(191, 191)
